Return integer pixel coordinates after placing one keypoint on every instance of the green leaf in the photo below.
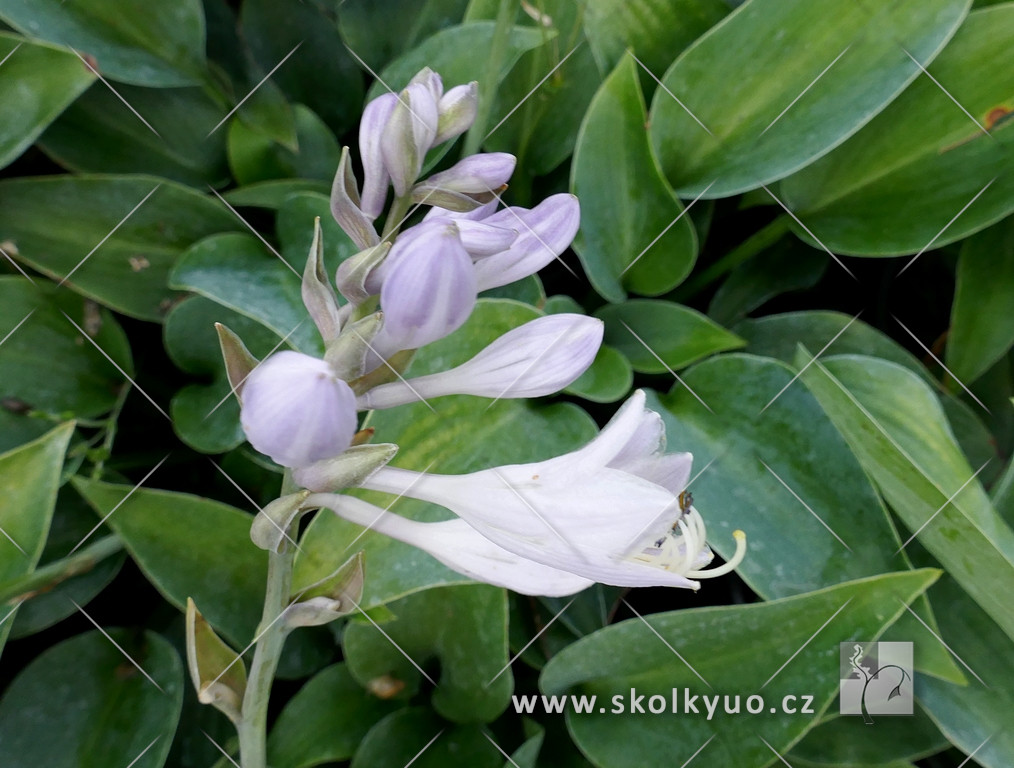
(879, 194)
(132, 41)
(97, 133)
(87, 703)
(849, 741)
(607, 380)
(451, 53)
(48, 365)
(461, 434)
(273, 194)
(256, 156)
(463, 629)
(55, 222)
(188, 546)
(896, 428)
(527, 290)
(239, 272)
(738, 650)
(320, 74)
(49, 79)
(975, 717)
(406, 23)
(29, 479)
(206, 415)
(658, 335)
(402, 737)
(72, 521)
(628, 238)
(655, 31)
(746, 114)
(325, 721)
(982, 325)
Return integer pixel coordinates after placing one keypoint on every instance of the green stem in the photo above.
(271, 636)
(48, 576)
(395, 216)
(759, 241)
(495, 58)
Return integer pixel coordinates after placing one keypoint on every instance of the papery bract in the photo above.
(296, 410)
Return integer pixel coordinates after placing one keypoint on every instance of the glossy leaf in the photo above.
(463, 629)
(756, 641)
(188, 546)
(402, 736)
(48, 366)
(294, 225)
(607, 380)
(29, 479)
(126, 701)
(131, 41)
(849, 741)
(51, 76)
(658, 335)
(239, 272)
(461, 434)
(880, 193)
(273, 194)
(99, 134)
(982, 324)
(54, 222)
(736, 112)
(256, 156)
(655, 30)
(896, 428)
(628, 238)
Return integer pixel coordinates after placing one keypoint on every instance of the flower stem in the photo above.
(271, 636)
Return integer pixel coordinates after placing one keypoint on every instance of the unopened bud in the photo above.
(457, 109)
(356, 278)
(349, 470)
(408, 135)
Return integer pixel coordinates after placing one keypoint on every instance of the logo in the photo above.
(875, 679)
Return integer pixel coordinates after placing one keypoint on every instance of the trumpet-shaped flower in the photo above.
(532, 360)
(609, 512)
(296, 410)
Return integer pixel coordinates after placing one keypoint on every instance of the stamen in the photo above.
(721, 570)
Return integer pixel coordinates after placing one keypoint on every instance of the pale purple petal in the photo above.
(408, 135)
(486, 172)
(482, 239)
(372, 129)
(544, 233)
(296, 410)
(536, 359)
(457, 109)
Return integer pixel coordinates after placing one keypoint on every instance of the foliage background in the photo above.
(796, 227)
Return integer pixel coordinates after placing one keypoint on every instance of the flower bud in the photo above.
(345, 205)
(457, 109)
(468, 184)
(348, 470)
(408, 135)
(372, 128)
(296, 410)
